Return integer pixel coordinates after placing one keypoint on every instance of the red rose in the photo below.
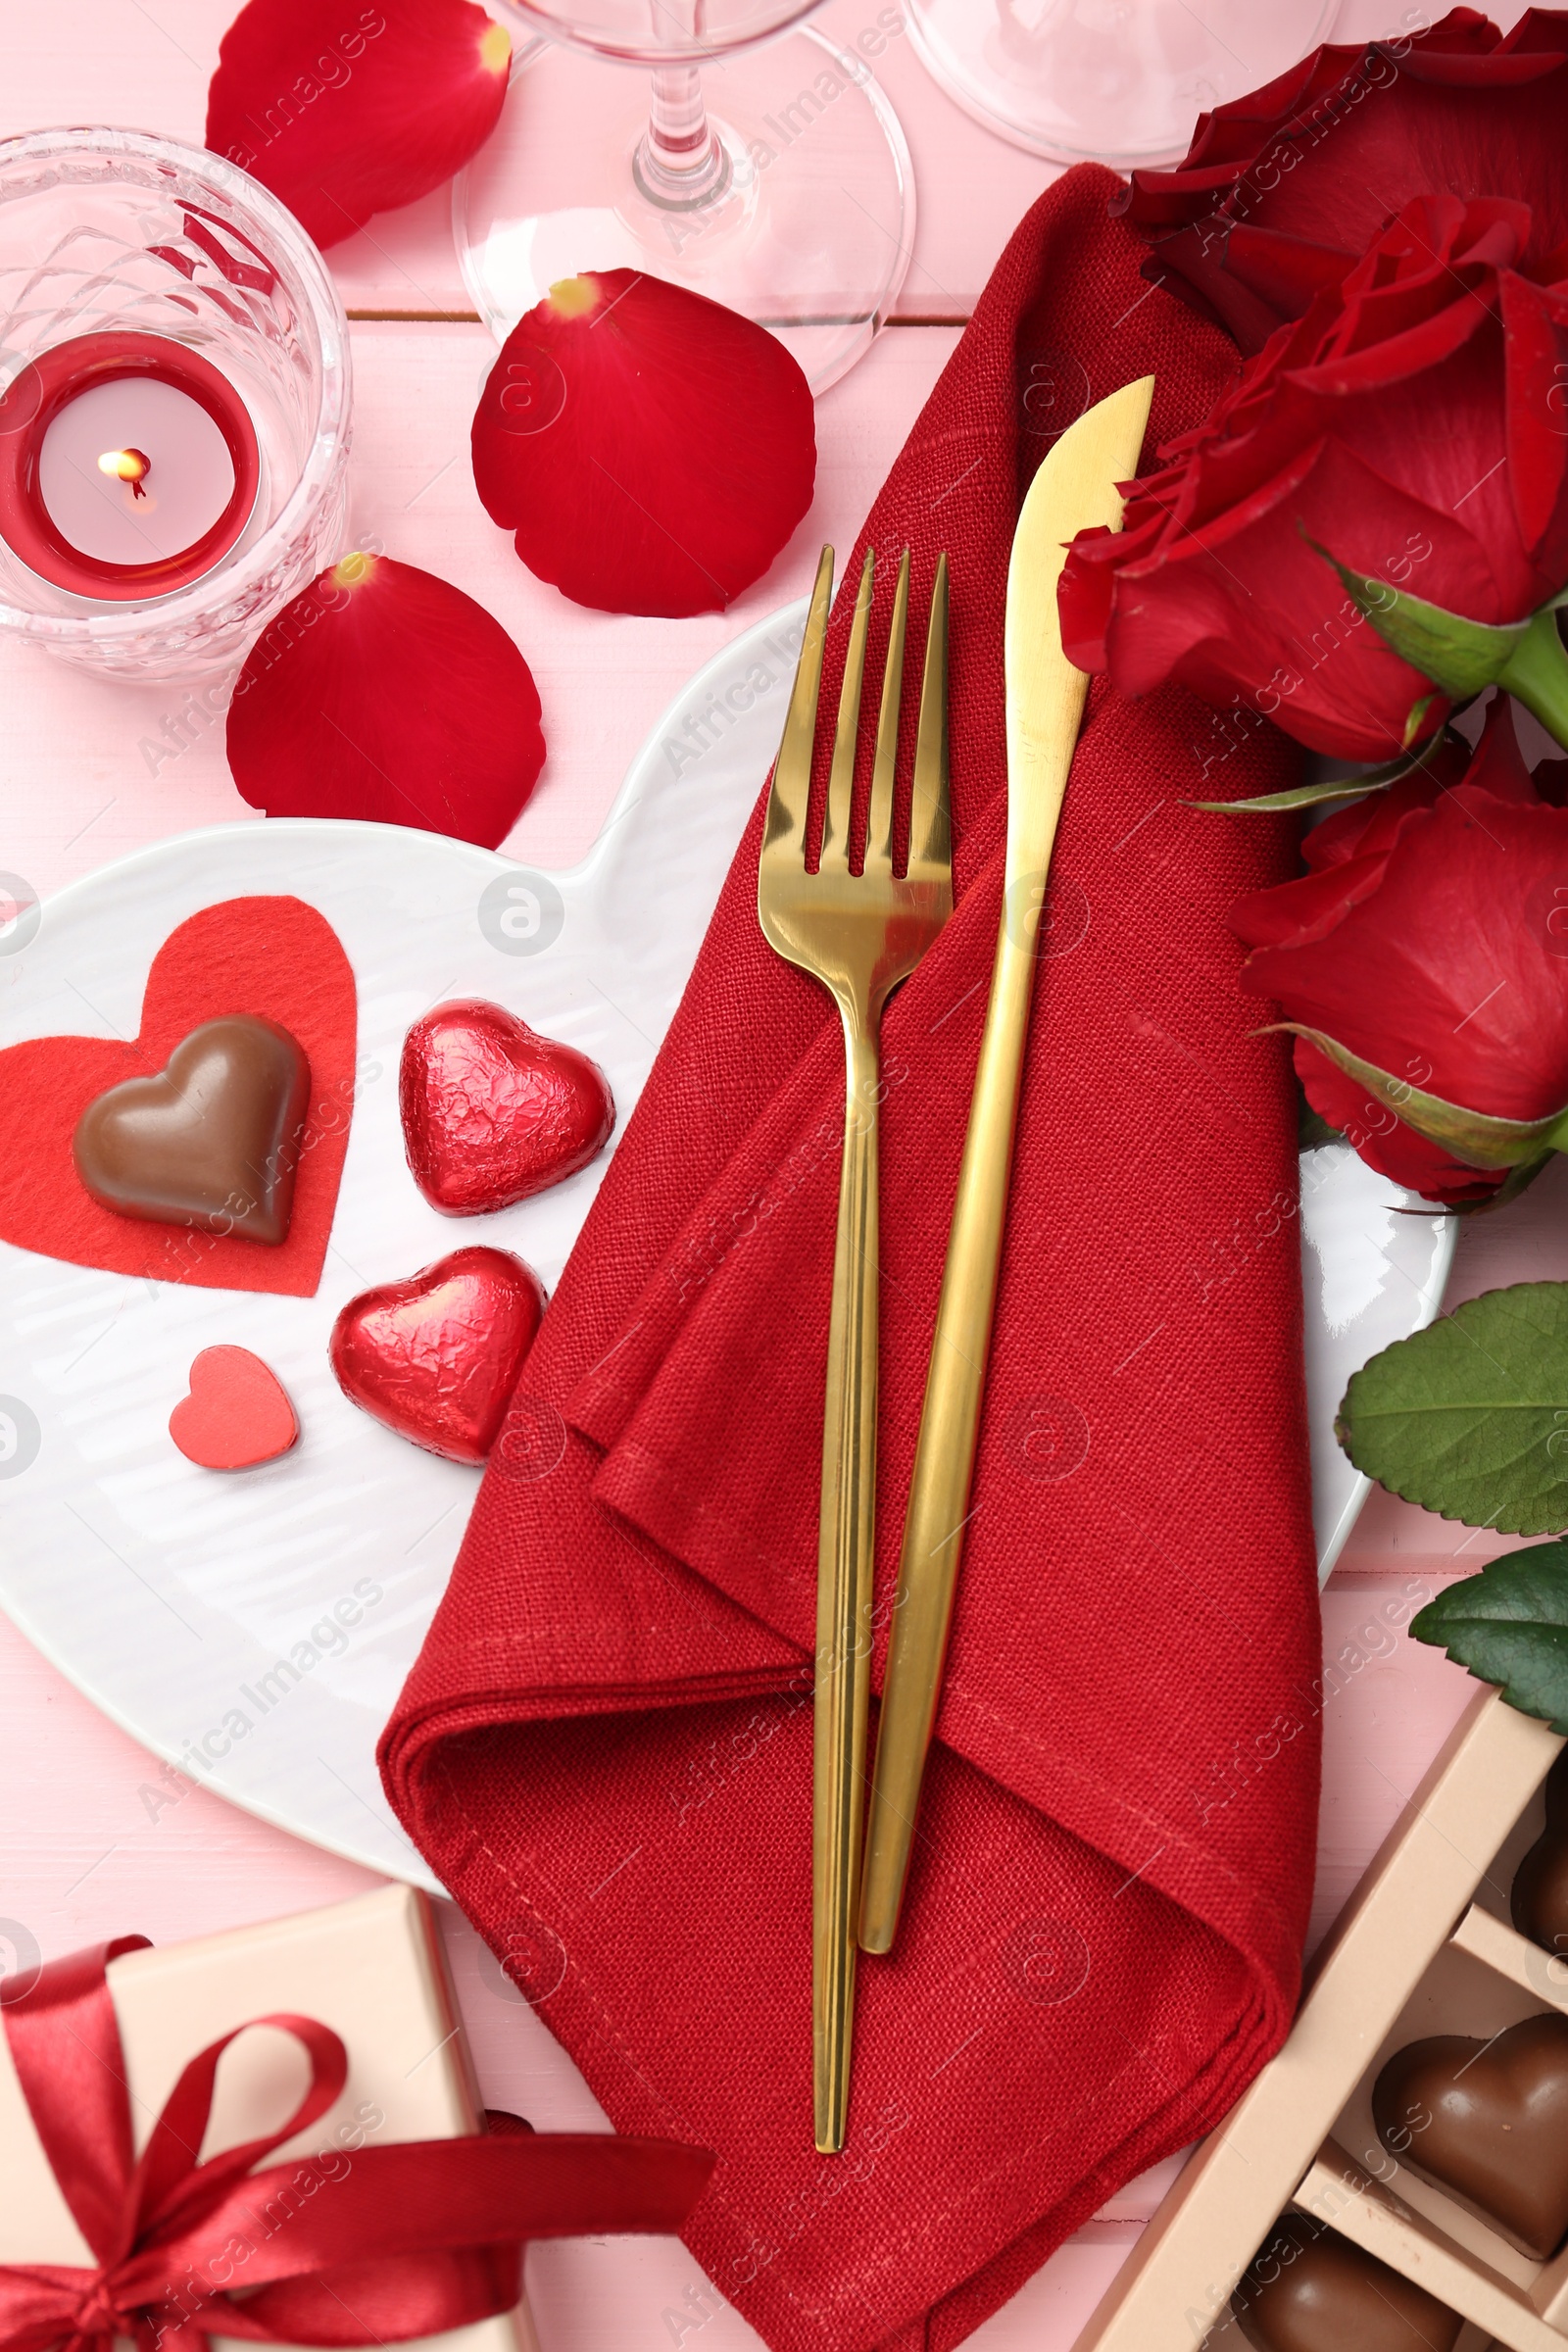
(1428, 938)
(1410, 424)
(1281, 190)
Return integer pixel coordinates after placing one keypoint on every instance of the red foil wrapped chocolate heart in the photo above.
(492, 1111)
(437, 1357)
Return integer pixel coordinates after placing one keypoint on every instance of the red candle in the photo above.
(128, 465)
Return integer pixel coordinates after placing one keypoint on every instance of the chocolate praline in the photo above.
(212, 1140)
(1310, 2290)
(1487, 2123)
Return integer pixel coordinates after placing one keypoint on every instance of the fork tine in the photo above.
(879, 824)
(841, 781)
(930, 816)
(790, 796)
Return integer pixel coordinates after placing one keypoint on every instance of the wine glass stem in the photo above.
(680, 162)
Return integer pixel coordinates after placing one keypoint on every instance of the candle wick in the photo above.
(130, 466)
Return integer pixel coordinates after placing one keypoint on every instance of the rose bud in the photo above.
(650, 450)
(387, 694)
(1422, 963)
(1282, 191)
(1406, 427)
(344, 110)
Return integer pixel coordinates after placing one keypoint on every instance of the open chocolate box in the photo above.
(1426, 1948)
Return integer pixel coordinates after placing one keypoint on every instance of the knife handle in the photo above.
(949, 1429)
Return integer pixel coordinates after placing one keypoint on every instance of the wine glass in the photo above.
(1118, 81)
(791, 200)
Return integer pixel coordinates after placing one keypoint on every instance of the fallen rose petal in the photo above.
(344, 109)
(650, 450)
(387, 694)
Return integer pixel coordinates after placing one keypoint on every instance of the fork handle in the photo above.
(843, 1680)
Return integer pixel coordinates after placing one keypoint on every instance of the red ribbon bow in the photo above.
(380, 2245)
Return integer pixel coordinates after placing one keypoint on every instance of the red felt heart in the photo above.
(437, 1357)
(492, 1111)
(237, 1413)
(272, 957)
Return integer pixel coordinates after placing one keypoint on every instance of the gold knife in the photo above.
(1075, 487)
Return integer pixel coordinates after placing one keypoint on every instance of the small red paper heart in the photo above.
(492, 1111)
(272, 957)
(436, 1357)
(237, 1413)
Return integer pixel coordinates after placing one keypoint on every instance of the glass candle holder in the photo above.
(119, 242)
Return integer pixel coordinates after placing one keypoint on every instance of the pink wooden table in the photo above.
(94, 1837)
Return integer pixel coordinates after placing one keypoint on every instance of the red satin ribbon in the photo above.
(376, 2245)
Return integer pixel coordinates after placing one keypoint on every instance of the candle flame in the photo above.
(126, 466)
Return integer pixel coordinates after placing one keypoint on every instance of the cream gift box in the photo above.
(371, 1969)
(1425, 1947)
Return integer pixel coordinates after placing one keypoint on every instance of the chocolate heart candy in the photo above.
(212, 1141)
(1538, 1899)
(1310, 2290)
(492, 1111)
(1487, 2121)
(437, 1357)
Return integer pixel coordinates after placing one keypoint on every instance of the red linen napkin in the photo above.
(604, 1748)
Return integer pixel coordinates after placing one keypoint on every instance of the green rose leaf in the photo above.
(1465, 657)
(1342, 788)
(1415, 719)
(1509, 1626)
(1299, 796)
(1461, 656)
(1469, 1418)
(1473, 1136)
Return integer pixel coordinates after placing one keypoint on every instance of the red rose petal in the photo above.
(650, 450)
(344, 109)
(1497, 764)
(1292, 915)
(1384, 1142)
(1537, 447)
(385, 694)
(1368, 828)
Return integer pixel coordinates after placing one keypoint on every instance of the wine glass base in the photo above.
(1110, 82)
(810, 234)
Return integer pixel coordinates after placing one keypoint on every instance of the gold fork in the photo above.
(859, 935)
